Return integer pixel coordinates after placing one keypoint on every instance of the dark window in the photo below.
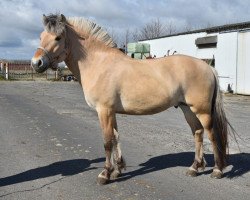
(206, 42)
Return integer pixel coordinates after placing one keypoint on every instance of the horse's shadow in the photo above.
(240, 164)
(65, 168)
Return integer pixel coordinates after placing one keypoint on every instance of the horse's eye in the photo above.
(57, 38)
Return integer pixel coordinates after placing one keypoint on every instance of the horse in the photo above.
(113, 83)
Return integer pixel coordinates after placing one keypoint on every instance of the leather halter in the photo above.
(46, 53)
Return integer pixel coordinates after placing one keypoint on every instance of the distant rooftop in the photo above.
(214, 29)
(14, 61)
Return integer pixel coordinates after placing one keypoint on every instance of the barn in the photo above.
(227, 48)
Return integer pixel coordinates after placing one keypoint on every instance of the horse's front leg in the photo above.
(107, 120)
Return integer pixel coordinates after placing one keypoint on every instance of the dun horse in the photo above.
(115, 83)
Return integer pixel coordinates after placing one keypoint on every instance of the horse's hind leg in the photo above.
(118, 160)
(197, 130)
(206, 121)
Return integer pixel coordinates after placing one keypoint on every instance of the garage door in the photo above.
(243, 66)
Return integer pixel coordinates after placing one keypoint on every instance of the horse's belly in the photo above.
(144, 106)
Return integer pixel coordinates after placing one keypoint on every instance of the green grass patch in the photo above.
(2, 78)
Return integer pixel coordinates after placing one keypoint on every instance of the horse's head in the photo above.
(53, 48)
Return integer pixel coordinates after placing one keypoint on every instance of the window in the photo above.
(206, 42)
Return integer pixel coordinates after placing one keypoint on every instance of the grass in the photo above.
(2, 78)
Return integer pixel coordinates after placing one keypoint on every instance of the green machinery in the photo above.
(138, 50)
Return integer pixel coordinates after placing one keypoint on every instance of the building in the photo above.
(226, 47)
(14, 67)
(22, 70)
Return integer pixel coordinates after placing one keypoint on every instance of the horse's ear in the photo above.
(63, 18)
(45, 20)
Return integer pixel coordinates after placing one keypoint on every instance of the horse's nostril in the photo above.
(40, 63)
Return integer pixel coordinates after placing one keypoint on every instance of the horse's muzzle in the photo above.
(40, 64)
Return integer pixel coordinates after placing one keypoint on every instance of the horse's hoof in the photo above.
(191, 173)
(103, 177)
(217, 174)
(114, 174)
(102, 180)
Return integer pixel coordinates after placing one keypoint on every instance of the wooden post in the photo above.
(56, 74)
(7, 71)
(32, 73)
(1, 67)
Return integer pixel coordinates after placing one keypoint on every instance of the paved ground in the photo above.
(51, 148)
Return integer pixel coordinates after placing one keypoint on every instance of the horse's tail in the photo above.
(221, 125)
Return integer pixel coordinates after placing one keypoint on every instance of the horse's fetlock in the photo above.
(121, 164)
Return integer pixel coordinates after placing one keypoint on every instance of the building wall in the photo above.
(231, 60)
(243, 63)
(183, 44)
(226, 59)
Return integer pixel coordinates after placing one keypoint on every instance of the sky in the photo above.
(21, 20)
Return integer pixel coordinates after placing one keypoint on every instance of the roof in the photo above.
(215, 29)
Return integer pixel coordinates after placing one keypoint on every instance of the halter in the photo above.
(46, 53)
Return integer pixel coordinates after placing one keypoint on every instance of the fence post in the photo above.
(56, 74)
(1, 69)
(7, 71)
(32, 73)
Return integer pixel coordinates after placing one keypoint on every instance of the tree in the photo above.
(127, 38)
(153, 29)
(113, 34)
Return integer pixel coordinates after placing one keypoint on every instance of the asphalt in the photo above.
(51, 148)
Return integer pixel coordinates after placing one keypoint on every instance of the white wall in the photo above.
(183, 44)
(243, 63)
(226, 59)
(224, 53)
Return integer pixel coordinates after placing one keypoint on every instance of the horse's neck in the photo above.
(73, 67)
(76, 54)
(81, 59)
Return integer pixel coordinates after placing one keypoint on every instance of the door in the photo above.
(243, 63)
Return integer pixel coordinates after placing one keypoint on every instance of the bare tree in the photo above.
(127, 39)
(188, 27)
(170, 28)
(136, 35)
(113, 34)
(155, 28)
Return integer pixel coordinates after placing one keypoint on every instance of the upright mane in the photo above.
(89, 28)
(56, 23)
